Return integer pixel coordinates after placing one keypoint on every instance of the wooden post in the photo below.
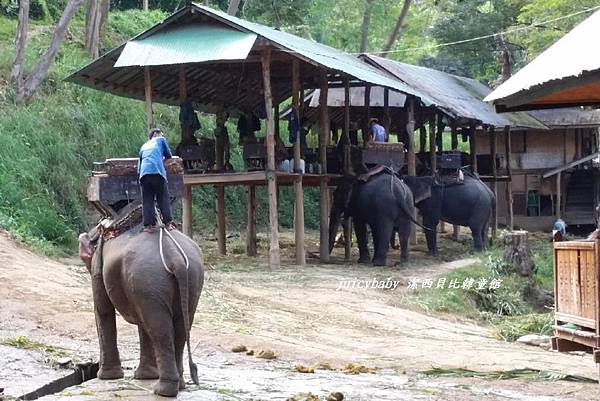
(221, 220)
(473, 147)
(347, 100)
(386, 111)
(453, 136)
(493, 145)
(454, 146)
(324, 201)
(148, 93)
(365, 130)
(439, 139)
(251, 220)
(298, 190)
(558, 194)
(186, 214)
(411, 157)
(509, 194)
(274, 258)
(432, 142)
(422, 138)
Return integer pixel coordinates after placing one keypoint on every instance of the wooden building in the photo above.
(554, 172)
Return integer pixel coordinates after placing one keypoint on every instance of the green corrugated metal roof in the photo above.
(187, 44)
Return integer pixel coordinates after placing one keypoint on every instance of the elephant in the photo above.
(384, 203)
(468, 203)
(129, 276)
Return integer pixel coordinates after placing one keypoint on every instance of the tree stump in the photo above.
(516, 252)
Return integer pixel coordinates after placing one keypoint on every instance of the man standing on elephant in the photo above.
(153, 179)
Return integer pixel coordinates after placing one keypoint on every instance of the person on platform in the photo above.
(378, 133)
(153, 180)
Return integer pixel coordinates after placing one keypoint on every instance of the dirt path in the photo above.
(301, 314)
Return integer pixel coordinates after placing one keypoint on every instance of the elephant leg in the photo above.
(404, 234)
(106, 325)
(431, 235)
(147, 369)
(361, 237)
(381, 233)
(478, 236)
(393, 240)
(159, 325)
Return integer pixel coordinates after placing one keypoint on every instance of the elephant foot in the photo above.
(146, 373)
(167, 388)
(364, 261)
(432, 253)
(379, 262)
(181, 383)
(110, 373)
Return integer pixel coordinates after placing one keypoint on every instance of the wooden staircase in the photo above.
(581, 197)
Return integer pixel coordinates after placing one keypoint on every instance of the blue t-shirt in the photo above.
(152, 154)
(378, 133)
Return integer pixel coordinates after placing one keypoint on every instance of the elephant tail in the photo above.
(182, 278)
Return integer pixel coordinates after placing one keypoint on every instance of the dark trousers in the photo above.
(154, 187)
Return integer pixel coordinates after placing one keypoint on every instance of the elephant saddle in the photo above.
(113, 226)
(375, 171)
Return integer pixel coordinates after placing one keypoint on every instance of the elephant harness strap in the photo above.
(375, 171)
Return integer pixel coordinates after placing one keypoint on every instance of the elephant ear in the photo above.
(421, 189)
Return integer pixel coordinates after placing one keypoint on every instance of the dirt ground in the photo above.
(300, 314)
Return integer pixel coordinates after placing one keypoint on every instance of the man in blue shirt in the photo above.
(377, 131)
(153, 179)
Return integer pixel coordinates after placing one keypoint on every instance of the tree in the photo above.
(96, 16)
(26, 86)
(233, 7)
(399, 26)
(364, 30)
(145, 5)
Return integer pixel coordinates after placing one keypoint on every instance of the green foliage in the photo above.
(513, 327)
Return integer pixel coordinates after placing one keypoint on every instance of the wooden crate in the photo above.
(577, 300)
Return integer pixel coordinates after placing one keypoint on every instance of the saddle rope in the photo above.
(162, 229)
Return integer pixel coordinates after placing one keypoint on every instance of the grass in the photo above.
(527, 373)
(23, 342)
(504, 308)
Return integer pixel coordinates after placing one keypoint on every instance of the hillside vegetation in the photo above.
(49, 145)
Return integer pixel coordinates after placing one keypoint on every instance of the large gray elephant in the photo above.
(384, 203)
(468, 203)
(128, 275)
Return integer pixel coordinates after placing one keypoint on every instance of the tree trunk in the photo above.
(516, 252)
(92, 27)
(233, 7)
(364, 31)
(145, 5)
(27, 88)
(399, 26)
(506, 65)
(16, 75)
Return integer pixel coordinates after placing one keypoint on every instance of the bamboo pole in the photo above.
(493, 146)
(411, 156)
(148, 93)
(365, 130)
(324, 201)
(347, 164)
(298, 190)
(251, 220)
(558, 194)
(387, 121)
(473, 146)
(274, 257)
(509, 193)
(432, 143)
(454, 146)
